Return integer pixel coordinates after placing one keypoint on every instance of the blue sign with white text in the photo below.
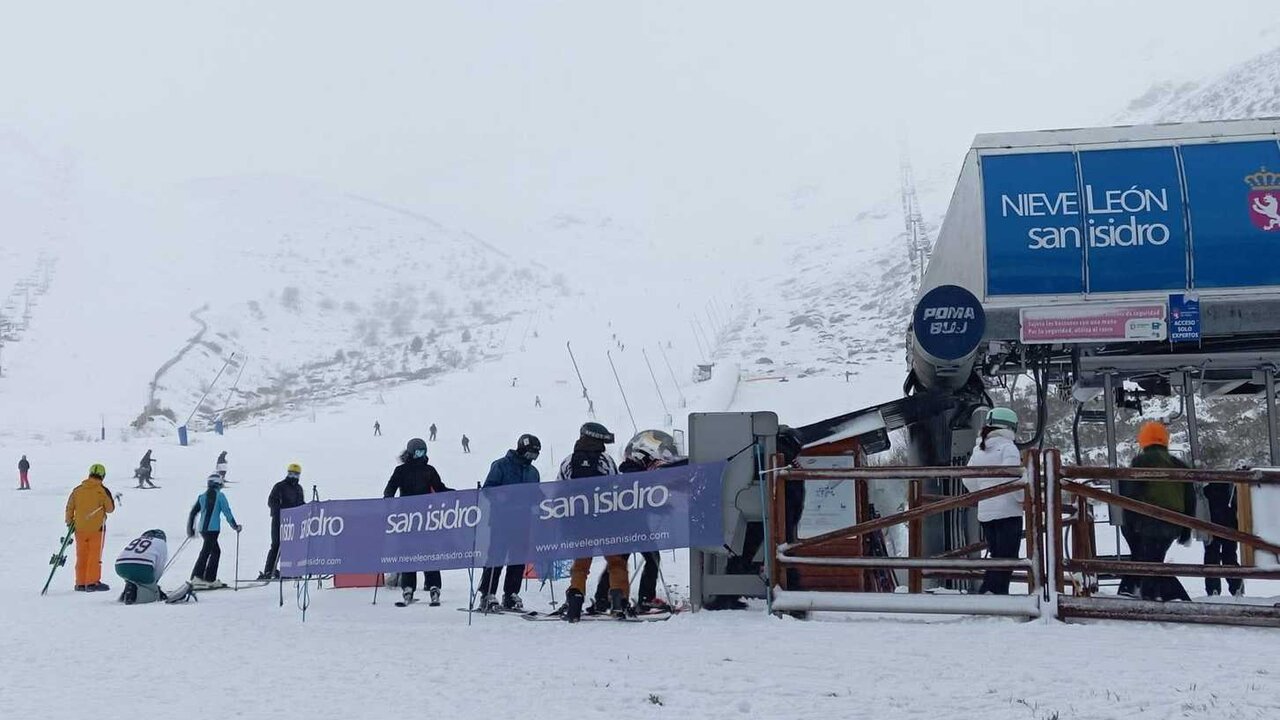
(948, 322)
(1032, 207)
(1234, 193)
(1184, 318)
(1177, 217)
(1133, 214)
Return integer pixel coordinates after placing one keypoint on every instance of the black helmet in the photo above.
(789, 443)
(528, 446)
(417, 448)
(596, 431)
(158, 534)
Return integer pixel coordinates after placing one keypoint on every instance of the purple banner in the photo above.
(659, 510)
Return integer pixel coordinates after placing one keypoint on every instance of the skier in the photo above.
(647, 450)
(143, 473)
(23, 468)
(221, 466)
(140, 565)
(514, 468)
(377, 428)
(537, 401)
(432, 436)
(466, 444)
(513, 381)
(211, 506)
(589, 460)
(1001, 516)
(1149, 538)
(284, 495)
(415, 476)
(1222, 510)
(87, 510)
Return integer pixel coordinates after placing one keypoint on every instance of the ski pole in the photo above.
(175, 556)
(236, 585)
(381, 579)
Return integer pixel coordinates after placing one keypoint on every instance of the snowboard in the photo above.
(147, 487)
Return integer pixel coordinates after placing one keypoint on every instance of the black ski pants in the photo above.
(274, 553)
(1220, 551)
(1004, 542)
(511, 586)
(210, 553)
(410, 579)
(1152, 548)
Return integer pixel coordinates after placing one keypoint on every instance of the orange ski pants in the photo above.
(619, 579)
(89, 557)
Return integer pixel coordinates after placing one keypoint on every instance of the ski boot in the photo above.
(487, 603)
(573, 605)
(407, 595)
(512, 602)
(81, 588)
(97, 587)
(598, 606)
(619, 606)
(130, 594)
(434, 593)
(653, 605)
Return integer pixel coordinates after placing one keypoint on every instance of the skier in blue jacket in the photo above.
(514, 468)
(211, 507)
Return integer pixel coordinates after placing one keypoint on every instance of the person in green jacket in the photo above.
(1150, 538)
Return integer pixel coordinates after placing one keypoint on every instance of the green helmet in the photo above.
(97, 470)
(158, 534)
(1002, 417)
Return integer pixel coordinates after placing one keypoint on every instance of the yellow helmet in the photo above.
(294, 469)
(97, 470)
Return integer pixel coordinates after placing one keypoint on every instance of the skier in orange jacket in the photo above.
(87, 510)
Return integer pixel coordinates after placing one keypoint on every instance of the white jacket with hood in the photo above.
(1001, 450)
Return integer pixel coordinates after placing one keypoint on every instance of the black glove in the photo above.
(1184, 537)
(191, 532)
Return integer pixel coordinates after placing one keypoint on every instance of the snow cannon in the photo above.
(942, 343)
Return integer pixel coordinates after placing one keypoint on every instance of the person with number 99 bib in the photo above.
(140, 565)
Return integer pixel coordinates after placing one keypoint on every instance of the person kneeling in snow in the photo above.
(140, 565)
(211, 506)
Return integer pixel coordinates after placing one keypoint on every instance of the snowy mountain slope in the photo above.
(1249, 90)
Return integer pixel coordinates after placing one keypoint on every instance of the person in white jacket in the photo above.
(1000, 516)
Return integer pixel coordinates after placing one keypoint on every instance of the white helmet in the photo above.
(649, 446)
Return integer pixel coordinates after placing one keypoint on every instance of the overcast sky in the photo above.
(689, 117)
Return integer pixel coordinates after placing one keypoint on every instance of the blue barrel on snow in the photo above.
(182, 435)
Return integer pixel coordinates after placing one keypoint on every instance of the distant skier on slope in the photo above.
(589, 460)
(377, 428)
(537, 401)
(285, 494)
(221, 466)
(514, 468)
(140, 565)
(415, 476)
(24, 467)
(466, 444)
(432, 430)
(143, 473)
(211, 506)
(87, 510)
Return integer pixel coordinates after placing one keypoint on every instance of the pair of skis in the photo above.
(558, 615)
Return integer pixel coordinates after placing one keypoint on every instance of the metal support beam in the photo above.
(1108, 392)
(1193, 429)
(1273, 438)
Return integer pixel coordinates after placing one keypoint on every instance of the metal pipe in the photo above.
(1193, 429)
(801, 601)
(1108, 390)
(909, 563)
(1273, 438)
(608, 354)
(577, 371)
(910, 473)
(1124, 567)
(656, 387)
(673, 374)
(206, 392)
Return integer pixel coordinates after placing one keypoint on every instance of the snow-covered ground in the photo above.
(242, 654)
